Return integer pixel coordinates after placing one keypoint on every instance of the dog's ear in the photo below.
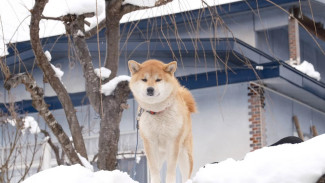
(134, 66)
(171, 67)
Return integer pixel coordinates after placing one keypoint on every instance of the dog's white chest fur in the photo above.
(162, 127)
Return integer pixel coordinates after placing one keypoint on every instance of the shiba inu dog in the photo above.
(165, 125)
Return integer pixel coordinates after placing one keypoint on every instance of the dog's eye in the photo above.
(157, 80)
(144, 80)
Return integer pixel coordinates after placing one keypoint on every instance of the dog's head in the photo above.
(152, 81)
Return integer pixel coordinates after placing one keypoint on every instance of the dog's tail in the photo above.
(189, 100)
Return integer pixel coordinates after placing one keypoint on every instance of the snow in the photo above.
(46, 139)
(15, 17)
(308, 68)
(79, 174)
(48, 55)
(80, 33)
(57, 8)
(85, 162)
(288, 163)
(11, 121)
(58, 72)
(47, 157)
(143, 3)
(102, 72)
(15, 14)
(3, 49)
(31, 124)
(138, 159)
(109, 87)
(176, 6)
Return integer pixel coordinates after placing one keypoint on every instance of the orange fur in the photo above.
(189, 100)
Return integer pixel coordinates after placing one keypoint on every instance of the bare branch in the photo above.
(54, 147)
(40, 105)
(162, 2)
(95, 30)
(82, 52)
(4, 68)
(69, 18)
(129, 8)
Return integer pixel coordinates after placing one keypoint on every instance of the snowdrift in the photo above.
(287, 163)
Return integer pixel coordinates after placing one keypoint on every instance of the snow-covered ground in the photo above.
(79, 174)
(288, 163)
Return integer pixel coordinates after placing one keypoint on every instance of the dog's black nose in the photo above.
(150, 91)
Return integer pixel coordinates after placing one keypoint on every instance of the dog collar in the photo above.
(153, 112)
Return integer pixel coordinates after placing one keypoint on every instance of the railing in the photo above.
(126, 148)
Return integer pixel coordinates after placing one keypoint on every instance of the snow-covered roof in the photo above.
(15, 15)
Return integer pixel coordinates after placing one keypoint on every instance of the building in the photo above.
(237, 66)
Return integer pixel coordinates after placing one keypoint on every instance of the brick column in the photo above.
(256, 116)
(294, 45)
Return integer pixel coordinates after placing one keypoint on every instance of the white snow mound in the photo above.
(58, 72)
(288, 163)
(79, 174)
(57, 8)
(308, 69)
(102, 72)
(108, 88)
(31, 124)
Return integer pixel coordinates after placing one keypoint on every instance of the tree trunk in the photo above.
(112, 34)
(112, 110)
(110, 126)
(55, 83)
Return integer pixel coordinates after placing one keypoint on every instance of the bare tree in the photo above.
(109, 108)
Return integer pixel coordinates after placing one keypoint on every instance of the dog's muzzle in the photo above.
(150, 91)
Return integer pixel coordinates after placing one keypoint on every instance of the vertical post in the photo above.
(256, 116)
(300, 134)
(293, 33)
(314, 130)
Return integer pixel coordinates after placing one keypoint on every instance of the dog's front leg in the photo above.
(154, 161)
(172, 162)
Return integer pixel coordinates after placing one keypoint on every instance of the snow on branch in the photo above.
(31, 124)
(85, 162)
(11, 121)
(108, 88)
(48, 55)
(102, 72)
(58, 72)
